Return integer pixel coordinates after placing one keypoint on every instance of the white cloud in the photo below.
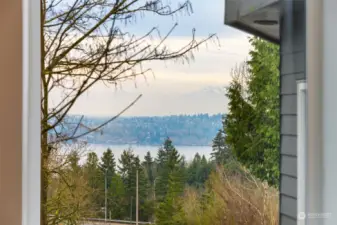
(175, 89)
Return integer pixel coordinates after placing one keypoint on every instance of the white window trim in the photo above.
(301, 151)
(31, 113)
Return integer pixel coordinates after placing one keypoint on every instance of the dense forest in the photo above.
(162, 180)
(171, 191)
(188, 130)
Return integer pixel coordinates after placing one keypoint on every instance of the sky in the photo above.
(192, 88)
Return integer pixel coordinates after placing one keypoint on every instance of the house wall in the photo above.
(292, 69)
(10, 111)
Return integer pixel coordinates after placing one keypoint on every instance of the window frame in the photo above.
(31, 58)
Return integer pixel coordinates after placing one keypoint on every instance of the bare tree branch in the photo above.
(102, 125)
(86, 42)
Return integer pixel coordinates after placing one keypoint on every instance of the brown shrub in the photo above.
(232, 198)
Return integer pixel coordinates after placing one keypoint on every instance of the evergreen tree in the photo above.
(168, 145)
(126, 168)
(170, 210)
(220, 152)
(198, 171)
(263, 89)
(238, 125)
(148, 206)
(193, 171)
(126, 171)
(148, 164)
(95, 179)
(168, 160)
(206, 169)
(252, 123)
(145, 207)
(108, 165)
(171, 185)
(73, 159)
(143, 183)
(117, 201)
(92, 171)
(174, 159)
(160, 162)
(129, 165)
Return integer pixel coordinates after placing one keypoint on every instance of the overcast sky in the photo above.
(176, 88)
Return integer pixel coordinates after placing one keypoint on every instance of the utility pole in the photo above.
(131, 209)
(154, 188)
(137, 201)
(106, 195)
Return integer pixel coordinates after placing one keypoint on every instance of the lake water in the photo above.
(141, 150)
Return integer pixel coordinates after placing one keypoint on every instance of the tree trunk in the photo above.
(45, 152)
(44, 123)
(44, 181)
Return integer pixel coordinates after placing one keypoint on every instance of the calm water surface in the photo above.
(141, 150)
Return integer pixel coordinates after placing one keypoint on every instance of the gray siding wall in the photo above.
(292, 69)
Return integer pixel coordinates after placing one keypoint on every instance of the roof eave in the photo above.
(242, 14)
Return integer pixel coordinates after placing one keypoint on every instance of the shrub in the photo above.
(232, 198)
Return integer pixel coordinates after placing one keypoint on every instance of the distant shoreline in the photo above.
(144, 145)
(140, 150)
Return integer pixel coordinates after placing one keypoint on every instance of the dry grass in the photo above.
(232, 199)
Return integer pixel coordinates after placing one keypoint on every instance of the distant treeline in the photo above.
(191, 130)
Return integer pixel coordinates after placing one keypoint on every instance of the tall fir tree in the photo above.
(160, 161)
(206, 169)
(92, 170)
(126, 169)
(145, 209)
(149, 166)
(221, 154)
(263, 90)
(252, 123)
(95, 178)
(238, 125)
(170, 211)
(194, 171)
(171, 185)
(117, 201)
(168, 160)
(198, 171)
(108, 165)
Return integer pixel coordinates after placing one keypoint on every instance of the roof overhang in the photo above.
(257, 17)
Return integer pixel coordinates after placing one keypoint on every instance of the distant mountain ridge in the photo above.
(189, 130)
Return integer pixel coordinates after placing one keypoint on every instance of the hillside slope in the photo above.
(183, 129)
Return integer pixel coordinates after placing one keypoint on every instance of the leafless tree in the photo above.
(85, 42)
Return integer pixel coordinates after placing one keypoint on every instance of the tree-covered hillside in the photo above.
(183, 129)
